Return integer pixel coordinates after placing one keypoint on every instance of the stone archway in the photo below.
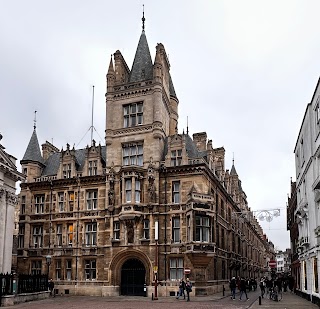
(119, 261)
(133, 277)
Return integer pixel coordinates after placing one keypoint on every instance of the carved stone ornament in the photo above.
(111, 193)
(151, 186)
(11, 198)
(130, 231)
(2, 191)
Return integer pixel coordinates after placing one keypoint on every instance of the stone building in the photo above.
(292, 227)
(146, 209)
(8, 201)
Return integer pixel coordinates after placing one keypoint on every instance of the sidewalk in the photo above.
(289, 301)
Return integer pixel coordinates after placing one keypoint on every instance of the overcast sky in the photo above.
(243, 71)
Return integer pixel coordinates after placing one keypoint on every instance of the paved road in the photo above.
(290, 301)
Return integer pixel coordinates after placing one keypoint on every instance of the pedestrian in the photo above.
(233, 286)
(51, 287)
(188, 288)
(262, 286)
(243, 286)
(182, 287)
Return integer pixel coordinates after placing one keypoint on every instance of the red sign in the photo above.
(272, 264)
(187, 271)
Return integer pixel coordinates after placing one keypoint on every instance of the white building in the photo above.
(8, 199)
(283, 261)
(307, 214)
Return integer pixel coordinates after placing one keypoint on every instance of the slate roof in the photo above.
(142, 68)
(191, 149)
(171, 88)
(233, 170)
(33, 152)
(53, 162)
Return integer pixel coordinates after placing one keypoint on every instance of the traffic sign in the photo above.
(272, 264)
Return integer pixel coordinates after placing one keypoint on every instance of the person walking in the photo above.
(188, 288)
(182, 287)
(262, 286)
(243, 287)
(51, 287)
(233, 286)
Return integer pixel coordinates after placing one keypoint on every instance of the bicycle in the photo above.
(275, 294)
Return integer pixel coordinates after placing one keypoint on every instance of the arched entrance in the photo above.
(133, 276)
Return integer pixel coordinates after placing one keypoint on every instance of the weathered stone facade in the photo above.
(8, 201)
(94, 211)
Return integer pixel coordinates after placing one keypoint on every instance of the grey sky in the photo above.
(243, 72)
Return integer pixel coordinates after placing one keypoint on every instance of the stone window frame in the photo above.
(176, 157)
(90, 269)
(132, 154)
(176, 238)
(176, 194)
(91, 234)
(92, 199)
(176, 265)
(202, 228)
(133, 114)
(92, 167)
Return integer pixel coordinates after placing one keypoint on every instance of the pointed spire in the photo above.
(33, 152)
(233, 169)
(111, 69)
(142, 68)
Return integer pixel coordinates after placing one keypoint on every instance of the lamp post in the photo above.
(156, 237)
(48, 260)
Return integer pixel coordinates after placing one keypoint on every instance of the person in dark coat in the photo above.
(262, 286)
(233, 286)
(51, 287)
(182, 287)
(188, 288)
(243, 287)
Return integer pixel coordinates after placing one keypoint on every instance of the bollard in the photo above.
(223, 289)
(260, 300)
(152, 296)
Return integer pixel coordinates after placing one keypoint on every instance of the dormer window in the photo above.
(67, 170)
(133, 115)
(92, 169)
(176, 157)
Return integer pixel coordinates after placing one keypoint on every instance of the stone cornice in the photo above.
(11, 197)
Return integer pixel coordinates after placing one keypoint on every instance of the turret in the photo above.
(121, 69)
(32, 162)
(111, 77)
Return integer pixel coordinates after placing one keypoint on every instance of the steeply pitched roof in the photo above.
(142, 68)
(53, 162)
(33, 152)
(191, 149)
(171, 87)
(233, 170)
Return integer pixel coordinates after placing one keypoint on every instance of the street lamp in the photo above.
(156, 237)
(48, 260)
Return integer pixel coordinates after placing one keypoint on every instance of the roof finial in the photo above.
(143, 19)
(35, 120)
(187, 127)
(233, 158)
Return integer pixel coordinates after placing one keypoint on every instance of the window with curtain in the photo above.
(176, 268)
